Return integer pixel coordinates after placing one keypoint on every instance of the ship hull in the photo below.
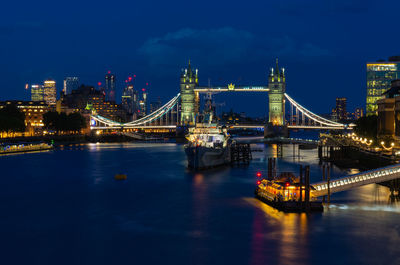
(200, 157)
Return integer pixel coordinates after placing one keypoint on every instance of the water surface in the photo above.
(64, 207)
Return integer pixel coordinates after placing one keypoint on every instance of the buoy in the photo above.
(120, 177)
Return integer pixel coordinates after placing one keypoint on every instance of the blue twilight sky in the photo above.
(323, 45)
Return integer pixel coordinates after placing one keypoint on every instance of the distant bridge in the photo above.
(183, 109)
(167, 117)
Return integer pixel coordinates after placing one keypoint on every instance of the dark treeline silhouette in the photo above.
(11, 119)
(61, 122)
(367, 126)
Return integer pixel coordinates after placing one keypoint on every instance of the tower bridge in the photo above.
(183, 109)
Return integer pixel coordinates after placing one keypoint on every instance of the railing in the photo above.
(356, 180)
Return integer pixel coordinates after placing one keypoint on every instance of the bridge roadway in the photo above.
(357, 180)
(232, 89)
(294, 127)
(274, 140)
(123, 126)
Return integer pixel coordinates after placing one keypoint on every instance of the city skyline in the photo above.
(224, 50)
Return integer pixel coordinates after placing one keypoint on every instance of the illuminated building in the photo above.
(50, 92)
(70, 83)
(33, 111)
(37, 93)
(110, 86)
(340, 110)
(379, 77)
(143, 103)
(277, 86)
(130, 99)
(188, 81)
(87, 98)
(358, 113)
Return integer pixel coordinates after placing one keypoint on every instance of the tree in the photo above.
(61, 122)
(76, 121)
(50, 120)
(367, 126)
(11, 119)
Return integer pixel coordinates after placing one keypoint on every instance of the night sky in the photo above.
(323, 45)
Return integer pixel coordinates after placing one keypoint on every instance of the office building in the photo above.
(37, 93)
(86, 99)
(70, 83)
(110, 86)
(50, 92)
(379, 77)
(143, 103)
(340, 110)
(129, 97)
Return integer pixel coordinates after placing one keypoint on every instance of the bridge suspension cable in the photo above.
(155, 115)
(312, 116)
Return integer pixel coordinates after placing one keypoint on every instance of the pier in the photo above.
(241, 153)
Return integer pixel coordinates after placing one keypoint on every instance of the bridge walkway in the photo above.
(357, 180)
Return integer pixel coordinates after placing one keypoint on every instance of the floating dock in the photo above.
(24, 148)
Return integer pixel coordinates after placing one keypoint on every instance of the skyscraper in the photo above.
(129, 97)
(340, 110)
(143, 102)
(70, 83)
(110, 86)
(50, 92)
(379, 76)
(37, 93)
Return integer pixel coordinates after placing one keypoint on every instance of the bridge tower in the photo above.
(277, 87)
(189, 80)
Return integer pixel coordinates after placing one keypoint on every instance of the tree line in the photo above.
(62, 122)
(11, 119)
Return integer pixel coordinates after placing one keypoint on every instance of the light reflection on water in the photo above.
(69, 201)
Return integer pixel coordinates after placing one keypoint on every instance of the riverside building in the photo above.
(379, 77)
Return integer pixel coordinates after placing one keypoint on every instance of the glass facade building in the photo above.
(110, 86)
(379, 77)
(341, 111)
(37, 93)
(50, 92)
(70, 83)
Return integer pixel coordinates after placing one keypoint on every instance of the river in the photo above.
(64, 207)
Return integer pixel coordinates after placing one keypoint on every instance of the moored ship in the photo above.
(208, 146)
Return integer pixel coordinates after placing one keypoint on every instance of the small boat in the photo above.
(120, 177)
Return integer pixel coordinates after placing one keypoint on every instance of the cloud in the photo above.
(222, 46)
(225, 44)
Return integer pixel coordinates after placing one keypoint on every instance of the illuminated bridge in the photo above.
(357, 180)
(183, 109)
(167, 117)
